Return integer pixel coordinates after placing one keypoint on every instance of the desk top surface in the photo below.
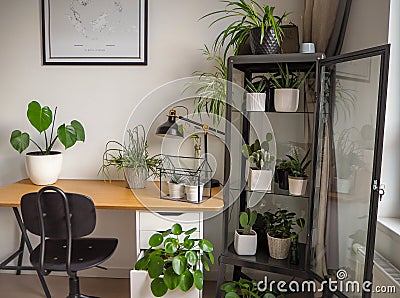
(111, 195)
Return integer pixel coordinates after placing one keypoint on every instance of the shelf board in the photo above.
(277, 191)
(298, 112)
(262, 261)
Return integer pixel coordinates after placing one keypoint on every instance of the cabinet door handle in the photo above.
(170, 213)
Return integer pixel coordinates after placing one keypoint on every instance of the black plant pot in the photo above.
(283, 179)
(269, 102)
(269, 43)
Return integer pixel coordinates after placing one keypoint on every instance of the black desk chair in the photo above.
(61, 220)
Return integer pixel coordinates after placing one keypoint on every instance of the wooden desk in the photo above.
(114, 195)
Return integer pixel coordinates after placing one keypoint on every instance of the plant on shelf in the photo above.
(280, 231)
(298, 177)
(256, 96)
(283, 170)
(131, 157)
(259, 155)
(42, 118)
(250, 19)
(286, 84)
(177, 263)
(247, 289)
(176, 186)
(245, 241)
(194, 190)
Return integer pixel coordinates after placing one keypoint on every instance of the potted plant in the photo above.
(176, 186)
(256, 96)
(194, 190)
(286, 84)
(172, 263)
(132, 158)
(245, 241)
(248, 289)
(44, 166)
(260, 176)
(282, 174)
(250, 20)
(298, 177)
(279, 227)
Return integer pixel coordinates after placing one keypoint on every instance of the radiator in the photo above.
(384, 273)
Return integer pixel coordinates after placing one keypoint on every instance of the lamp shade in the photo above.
(170, 128)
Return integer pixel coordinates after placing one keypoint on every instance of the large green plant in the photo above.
(42, 118)
(259, 153)
(176, 264)
(280, 224)
(247, 15)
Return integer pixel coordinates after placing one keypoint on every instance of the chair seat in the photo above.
(86, 253)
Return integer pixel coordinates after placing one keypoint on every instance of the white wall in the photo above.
(101, 97)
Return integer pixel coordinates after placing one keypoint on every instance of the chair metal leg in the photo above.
(74, 289)
(21, 255)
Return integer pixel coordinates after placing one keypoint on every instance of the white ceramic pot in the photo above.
(278, 247)
(286, 100)
(255, 101)
(192, 193)
(245, 245)
(43, 169)
(176, 191)
(260, 179)
(297, 185)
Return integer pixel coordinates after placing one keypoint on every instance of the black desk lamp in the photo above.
(171, 128)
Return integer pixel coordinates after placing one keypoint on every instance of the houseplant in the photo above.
(256, 96)
(194, 190)
(44, 166)
(245, 241)
(298, 178)
(247, 289)
(286, 84)
(176, 264)
(250, 20)
(176, 186)
(279, 227)
(132, 158)
(260, 176)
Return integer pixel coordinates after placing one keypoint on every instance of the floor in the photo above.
(28, 286)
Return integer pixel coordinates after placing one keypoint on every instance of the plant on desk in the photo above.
(298, 177)
(247, 289)
(132, 158)
(245, 241)
(176, 186)
(280, 232)
(177, 263)
(44, 165)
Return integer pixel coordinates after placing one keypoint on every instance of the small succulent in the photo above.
(247, 220)
(258, 154)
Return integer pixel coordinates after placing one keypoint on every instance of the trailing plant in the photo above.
(132, 155)
(258, 154)
(258, 84)
(281, 224)
(247, 15)
(247, 219)
(247, 289)
(298, 167)
(176, 264)
(41, 119)
(288, 79)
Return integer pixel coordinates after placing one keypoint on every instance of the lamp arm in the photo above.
(201, 125)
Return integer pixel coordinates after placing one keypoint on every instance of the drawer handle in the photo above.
(170, 213)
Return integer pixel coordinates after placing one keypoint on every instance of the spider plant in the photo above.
(247, 15)
(258, 84)
(288, 79)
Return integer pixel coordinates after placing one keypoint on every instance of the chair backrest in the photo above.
(82, 213)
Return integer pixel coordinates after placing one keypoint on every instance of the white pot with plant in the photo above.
(279, 227)
(176, 187)
(286, 84)
(298, 177)
(194, 191)
(245, 241)
(261, 174)
(131, 157)
(256, 96)
(44, 166)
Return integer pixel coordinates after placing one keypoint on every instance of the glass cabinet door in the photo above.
(348, 163)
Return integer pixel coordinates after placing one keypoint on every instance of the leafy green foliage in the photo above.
(247, 289)
(259, 154)
(298, 167)
(42, 118)
(288, 79)
(280, 224)
(257, 84)
(176, 264)
(284, 165)
(247, 220)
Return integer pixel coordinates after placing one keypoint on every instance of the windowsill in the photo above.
(391, 224)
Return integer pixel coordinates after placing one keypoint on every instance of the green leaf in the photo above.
(243, 219)
(39, 117)
(19, 140)
(156, 266)
(142, 264)
(211, 257)
(171, 246)
(67, 135)
(186, 281)
(191, 257)
(166, 233)
(179, 264)
(229, 287)
(80, 131)
(232, 295)
(155, 240)
(205, 264)
(188, 243)
(269, 295)
(206, 245)
(158, 287)
(198, 279)
(191, 231)
(171, 279)
(176, 229)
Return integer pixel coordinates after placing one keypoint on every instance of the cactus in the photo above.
(258, 154)
(247, 220)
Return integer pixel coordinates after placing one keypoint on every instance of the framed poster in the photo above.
(94, 32)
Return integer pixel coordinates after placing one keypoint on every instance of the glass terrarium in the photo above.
(187, 178)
